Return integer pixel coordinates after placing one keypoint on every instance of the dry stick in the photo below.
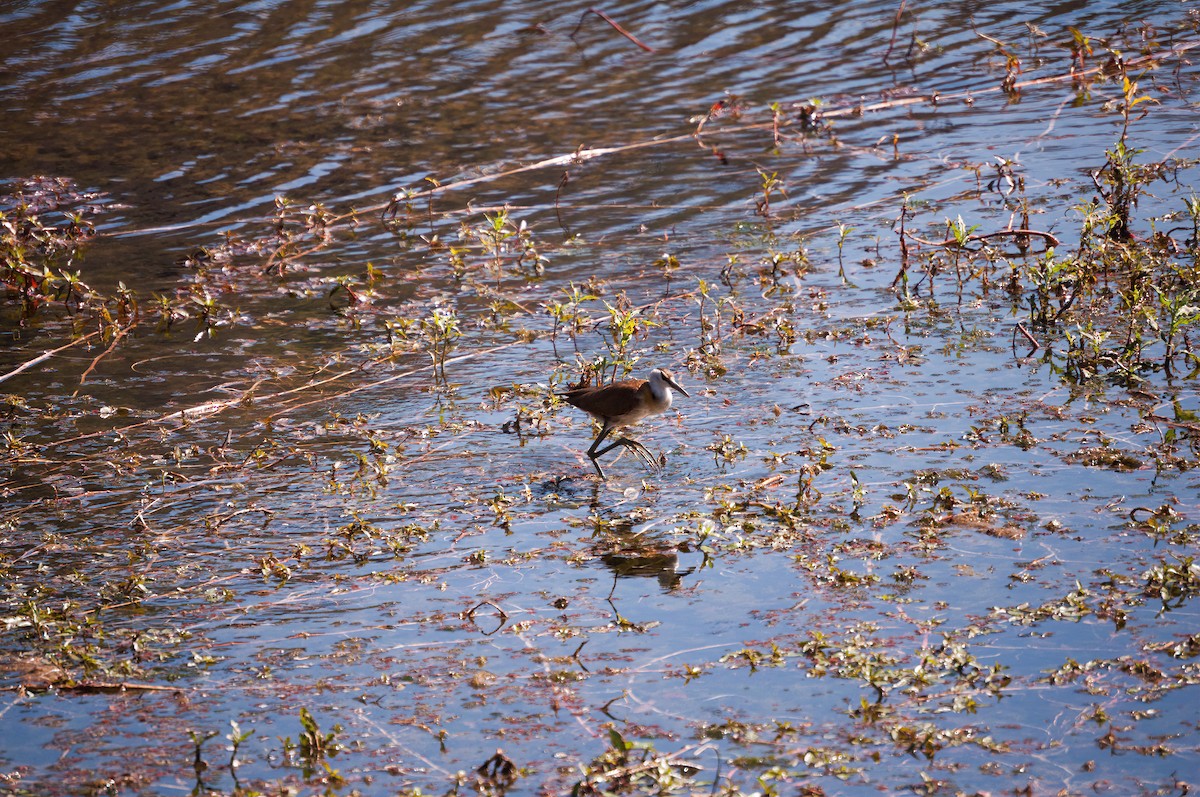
(895, 27)
(1191, 426)
(87, 687)
(282, 259)
(118, 686)
(566, 177)
(46, 355)
(903, 245)
(1050, 239)
(210, 408)
(1185, 144)
(1032, 340)
(397, 745)
(578, 156)
(612, 22)
(983, 236)
(201, 411)
(116, 339)
(387, 380)
(221, 521)
(1053, 119)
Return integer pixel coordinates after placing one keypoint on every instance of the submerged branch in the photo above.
(984, 236)
(895, 28)
(120, 333)
(46, 355)
(615, 25)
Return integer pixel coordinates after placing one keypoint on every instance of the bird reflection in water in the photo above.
(630, 554)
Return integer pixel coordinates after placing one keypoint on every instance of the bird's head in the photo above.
(661, 380)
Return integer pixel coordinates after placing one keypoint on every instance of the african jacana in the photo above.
(624, 404)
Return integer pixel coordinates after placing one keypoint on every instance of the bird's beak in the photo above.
(675, 386)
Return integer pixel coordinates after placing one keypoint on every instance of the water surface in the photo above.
(357, 539)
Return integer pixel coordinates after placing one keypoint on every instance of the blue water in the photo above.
(635, 604)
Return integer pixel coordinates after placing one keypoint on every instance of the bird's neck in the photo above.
(660, 393)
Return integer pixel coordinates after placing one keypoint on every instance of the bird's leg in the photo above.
(599, 470)
(605, 431)
(593, 454)
(620, 441)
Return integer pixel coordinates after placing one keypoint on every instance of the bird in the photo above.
(621, 404)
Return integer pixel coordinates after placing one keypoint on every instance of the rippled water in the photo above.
(491, 589)
(191, 113)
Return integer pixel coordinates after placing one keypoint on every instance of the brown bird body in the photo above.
(621, 404)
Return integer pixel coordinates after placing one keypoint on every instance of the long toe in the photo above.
(599, 470)
(643, 453)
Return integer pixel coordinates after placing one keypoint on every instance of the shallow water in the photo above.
(395, 561)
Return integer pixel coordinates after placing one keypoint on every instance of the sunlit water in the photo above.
(494, 590)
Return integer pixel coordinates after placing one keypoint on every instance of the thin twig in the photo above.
(96, 361)
(111, 686)
(901, 102)
(986, 37)
(387, 380)
(46, 355)
(1047, 237)
(1184, 145)
(903, 245)
(895, 27)
(1032, 340)
(1191, 426)
(566, 177)
(221, 521)
(612, 22)
(1050, 239)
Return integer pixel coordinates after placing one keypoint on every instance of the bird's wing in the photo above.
(609, 401)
